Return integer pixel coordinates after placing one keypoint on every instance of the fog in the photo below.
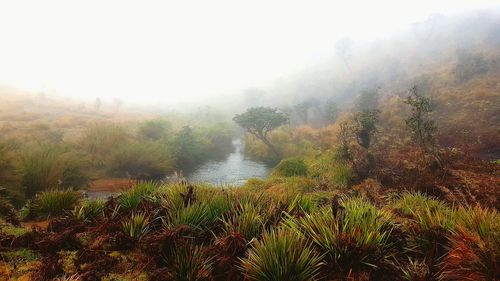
(195, 52)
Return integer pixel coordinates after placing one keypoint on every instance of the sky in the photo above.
(180, 51)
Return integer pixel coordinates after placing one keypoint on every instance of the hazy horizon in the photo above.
(171, 53)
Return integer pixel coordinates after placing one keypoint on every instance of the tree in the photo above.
(419, 123)
(259, 121)
(155, 129)
(97, 104)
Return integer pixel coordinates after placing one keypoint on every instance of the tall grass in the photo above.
(89, 210)
(354, 240)
(47, 167)
(247, 221)
(55, 202)
(281, 255)
(189, 263)
(137, 226)
(131, 198)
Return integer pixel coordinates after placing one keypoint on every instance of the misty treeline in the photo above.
(466, 46)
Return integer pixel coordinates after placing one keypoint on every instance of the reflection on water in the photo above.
(235, 169)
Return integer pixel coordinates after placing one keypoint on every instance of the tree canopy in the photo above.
(259, 121)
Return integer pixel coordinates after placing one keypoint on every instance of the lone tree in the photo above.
(259, 121)
(419, 123)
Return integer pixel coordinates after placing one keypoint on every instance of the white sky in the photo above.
(178, 51)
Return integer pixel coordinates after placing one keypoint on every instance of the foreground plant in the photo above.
(137, 226)
(281, 255)
(89, 210)
(55, 202)
(189, 263)
(130, 199)
(355, 238)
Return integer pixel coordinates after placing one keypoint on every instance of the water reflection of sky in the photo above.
(235, 169)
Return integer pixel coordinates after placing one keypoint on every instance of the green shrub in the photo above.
(355, 240)
(89, 210)
(55, 202)
(155, 129)
(147, 160)
(47, 167)
(291, 167)
(101, 139)
(137, 226)
(131, 198)
(281, 256)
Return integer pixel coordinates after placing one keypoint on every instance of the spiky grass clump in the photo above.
(410, 204)
(474, 248)
(137, 226)
(247, 221)
(189, 263)
(130, 199)
(355, 239)
(415, 270)
(55, 202)
(89, 210)
(281, 255)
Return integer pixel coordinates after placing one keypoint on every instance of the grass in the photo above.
(89, 210)
(189, 264)
(136, 226)
(55, 202)
(281, 255)
(131, 198)
(356, 239)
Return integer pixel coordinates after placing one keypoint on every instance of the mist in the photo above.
(194, 53)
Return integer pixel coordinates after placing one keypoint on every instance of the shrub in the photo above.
(355, 239)
(281, 256)
(137, 226)
(130, 199)
(146, 161)
(291, 167)
(155, 129)
(101, 139)
(89, 210)
(47, 167)
(55, 202)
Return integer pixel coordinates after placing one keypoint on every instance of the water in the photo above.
(235, 169)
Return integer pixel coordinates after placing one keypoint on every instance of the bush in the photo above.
(55, 202)
(101, 139)
(47, 167)
(146, 161)
(354, 240)
(291, 167)
(281, 256)
(155, 129)
(89, 210)
(137, 226)
(130, 199)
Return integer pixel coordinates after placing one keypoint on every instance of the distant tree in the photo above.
(469, 65)
(366, 117)
(259, 121)
(419, 122)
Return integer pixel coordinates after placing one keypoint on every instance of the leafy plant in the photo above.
(137, 226)
(131, 198)
(281, 255)
(89, 210)
(353, 239)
